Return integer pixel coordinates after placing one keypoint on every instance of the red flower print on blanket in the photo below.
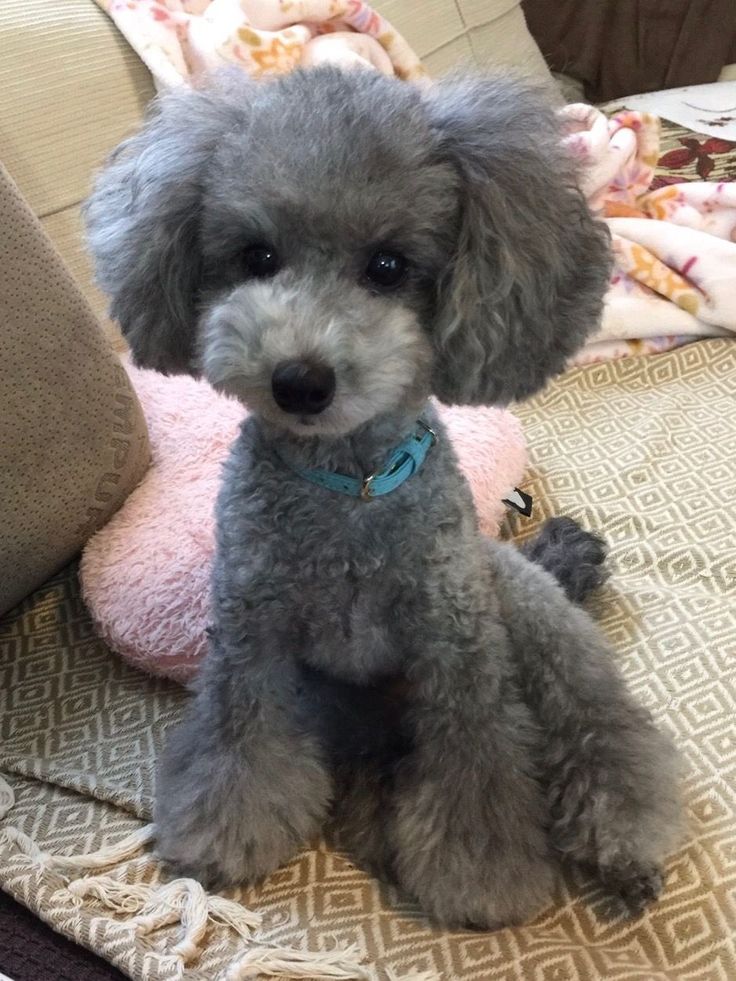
(692, 151)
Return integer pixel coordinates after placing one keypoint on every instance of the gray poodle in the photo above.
(332, 249)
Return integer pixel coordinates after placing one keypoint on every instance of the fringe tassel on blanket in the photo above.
(153, 906)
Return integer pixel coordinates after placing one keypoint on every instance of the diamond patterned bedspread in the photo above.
(641, 450)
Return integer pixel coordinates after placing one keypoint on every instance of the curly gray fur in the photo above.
(381, 664)
(574, 557)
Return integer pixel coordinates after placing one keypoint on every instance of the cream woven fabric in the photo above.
(639, 449)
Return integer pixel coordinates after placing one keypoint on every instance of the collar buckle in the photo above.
(425, 427)
(365, 487)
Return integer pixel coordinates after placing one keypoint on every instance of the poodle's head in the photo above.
(332, 246)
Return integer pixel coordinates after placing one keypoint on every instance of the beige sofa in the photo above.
(73, 440)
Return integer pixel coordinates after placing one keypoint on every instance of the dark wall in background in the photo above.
(620, 47)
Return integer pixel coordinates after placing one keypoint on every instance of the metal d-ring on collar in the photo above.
(403, 463)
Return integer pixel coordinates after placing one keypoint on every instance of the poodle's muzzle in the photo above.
(315, 354)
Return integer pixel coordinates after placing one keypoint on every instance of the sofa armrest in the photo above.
(73, 440)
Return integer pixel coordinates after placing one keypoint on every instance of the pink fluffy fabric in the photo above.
(145, 575)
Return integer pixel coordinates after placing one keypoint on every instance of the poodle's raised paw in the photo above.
(572, 555)
(637, 886)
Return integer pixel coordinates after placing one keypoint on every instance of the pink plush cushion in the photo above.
(145, 575)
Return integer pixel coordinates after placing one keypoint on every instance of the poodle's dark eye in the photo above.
(261, 261)
(386, 269)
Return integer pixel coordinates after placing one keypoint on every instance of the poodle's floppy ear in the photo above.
(143, 218)
(531, 265)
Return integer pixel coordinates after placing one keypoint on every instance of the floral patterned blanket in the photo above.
(674, 239)
(181, 39)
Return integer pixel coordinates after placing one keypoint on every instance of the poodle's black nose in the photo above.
(303, 386)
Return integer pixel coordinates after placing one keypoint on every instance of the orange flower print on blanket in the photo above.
(644, 267)
(183, 40)
(661, 204)
(278, 57)
(617, 209)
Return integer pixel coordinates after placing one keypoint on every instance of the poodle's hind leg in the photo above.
(575, 557)
(612, 775)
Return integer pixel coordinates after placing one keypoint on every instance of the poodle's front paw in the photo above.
(222, 849)
(503, 887)
(477, 901)
(469, 864)
(631, 815)
(226, 817)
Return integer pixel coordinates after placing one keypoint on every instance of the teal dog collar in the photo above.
(404, 461)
